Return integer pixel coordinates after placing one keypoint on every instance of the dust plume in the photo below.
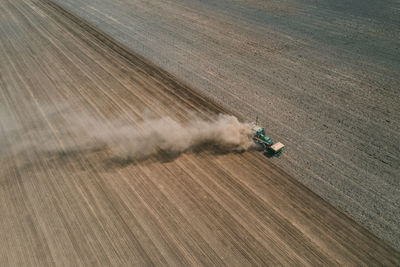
(73, 133)
(224, 133)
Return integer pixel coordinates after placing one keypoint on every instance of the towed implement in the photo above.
(271, 148)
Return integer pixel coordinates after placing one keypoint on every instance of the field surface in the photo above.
(322, 76)
(82, 206)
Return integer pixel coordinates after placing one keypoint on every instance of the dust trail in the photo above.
(120, 137)
(224, 133)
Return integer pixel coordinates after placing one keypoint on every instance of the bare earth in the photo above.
(82, 207)
(322, 75)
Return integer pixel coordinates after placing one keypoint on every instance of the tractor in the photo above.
(271, 148)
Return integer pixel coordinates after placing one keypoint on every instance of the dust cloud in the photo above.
(223, 133)
(122, 138)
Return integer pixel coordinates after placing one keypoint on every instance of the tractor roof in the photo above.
(256, 128)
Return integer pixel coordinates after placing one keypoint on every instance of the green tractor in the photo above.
(271, 148)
